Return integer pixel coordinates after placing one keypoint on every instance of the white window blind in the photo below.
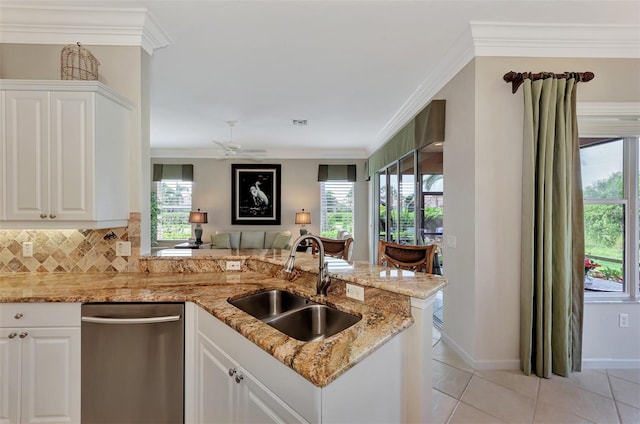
(336, 204)
(174, 205)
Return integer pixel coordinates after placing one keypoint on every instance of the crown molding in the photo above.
(306, 153)
(556, 40)
(459, 54)
(514, 40)
(49, 24)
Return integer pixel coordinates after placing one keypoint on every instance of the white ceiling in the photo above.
(356, 70)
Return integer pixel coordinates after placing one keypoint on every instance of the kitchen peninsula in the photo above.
(321, 381)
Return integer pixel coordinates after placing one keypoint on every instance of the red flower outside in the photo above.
(590, 264)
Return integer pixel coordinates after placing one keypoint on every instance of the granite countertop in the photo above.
(197, 276)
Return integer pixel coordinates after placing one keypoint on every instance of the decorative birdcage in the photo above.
(77, 63)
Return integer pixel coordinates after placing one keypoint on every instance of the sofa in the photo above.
(250, 239)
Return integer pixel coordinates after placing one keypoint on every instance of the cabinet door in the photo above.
(10, 363)
(71, 153)
(259, 405)
(27, 153)
(51, 375)
(217, 391)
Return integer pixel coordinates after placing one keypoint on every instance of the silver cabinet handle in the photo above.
(239, 378)
(232, 371)
(43, 215)
(52, 215)
(18, 315)
(150, 320)
(23, 335)
(12, 335)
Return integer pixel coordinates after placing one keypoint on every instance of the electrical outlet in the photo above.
(233, 265)
(355, 292)
(123, 248)
(27, 249)
(623, 320)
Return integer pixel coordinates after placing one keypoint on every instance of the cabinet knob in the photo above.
(18, 315)
(23, 335)
(43, 215)
(12, 335)
(239, 378)
(52, 215)
(232, 371)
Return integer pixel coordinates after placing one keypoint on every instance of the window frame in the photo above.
(160, 209)
(323, 211)
(629, 202)
(616, 120)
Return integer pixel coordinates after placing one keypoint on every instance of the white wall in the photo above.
(300, 189)
(605, 344)
(482, 204)
(459, 206)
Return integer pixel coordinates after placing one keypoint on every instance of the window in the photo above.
(172, 207)
(336, 208)
(610, 188)
(433, 203)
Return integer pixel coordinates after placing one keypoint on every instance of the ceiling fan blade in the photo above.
(230, 149)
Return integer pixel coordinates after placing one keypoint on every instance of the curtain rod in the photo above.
(517, 78)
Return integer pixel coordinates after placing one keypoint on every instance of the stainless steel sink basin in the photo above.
(267, 304)
(295, 315)
(313, 322)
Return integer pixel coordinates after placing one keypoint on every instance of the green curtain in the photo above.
(552, 279)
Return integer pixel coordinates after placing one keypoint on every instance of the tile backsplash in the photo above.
(70, 250)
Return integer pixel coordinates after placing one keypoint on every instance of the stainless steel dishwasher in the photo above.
(132, 363)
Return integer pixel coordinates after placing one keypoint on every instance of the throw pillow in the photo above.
(281, 241)
(221, 241)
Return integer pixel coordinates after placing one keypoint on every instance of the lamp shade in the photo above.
(303, 217)
(198, 217)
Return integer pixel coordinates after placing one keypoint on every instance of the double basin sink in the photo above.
(294, 315)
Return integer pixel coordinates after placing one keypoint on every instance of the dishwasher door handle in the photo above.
(150, 320)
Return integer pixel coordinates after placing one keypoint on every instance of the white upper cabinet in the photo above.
(65, 155)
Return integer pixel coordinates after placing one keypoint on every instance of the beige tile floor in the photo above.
(464, 395)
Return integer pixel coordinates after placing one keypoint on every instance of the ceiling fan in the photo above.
(229, 149)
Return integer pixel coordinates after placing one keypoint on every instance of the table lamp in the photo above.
(303, 218)
(198, 218)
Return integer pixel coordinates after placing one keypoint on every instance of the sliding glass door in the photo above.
(410, 199)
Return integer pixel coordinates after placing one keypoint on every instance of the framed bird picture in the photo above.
(255, 194)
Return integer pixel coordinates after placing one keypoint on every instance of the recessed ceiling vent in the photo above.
(300, 122)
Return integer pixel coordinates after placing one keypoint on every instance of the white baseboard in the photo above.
(505, 364)
(609, 363)
(457, 349)
(514, 364)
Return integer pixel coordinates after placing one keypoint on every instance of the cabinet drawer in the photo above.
(40, 314)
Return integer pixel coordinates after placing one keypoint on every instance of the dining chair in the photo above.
(337, 248)
(412, 258)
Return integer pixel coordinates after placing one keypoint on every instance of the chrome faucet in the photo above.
(323, 268)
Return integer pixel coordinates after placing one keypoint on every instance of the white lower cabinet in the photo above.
(40, 363)
(232, 380)
(227, 393)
